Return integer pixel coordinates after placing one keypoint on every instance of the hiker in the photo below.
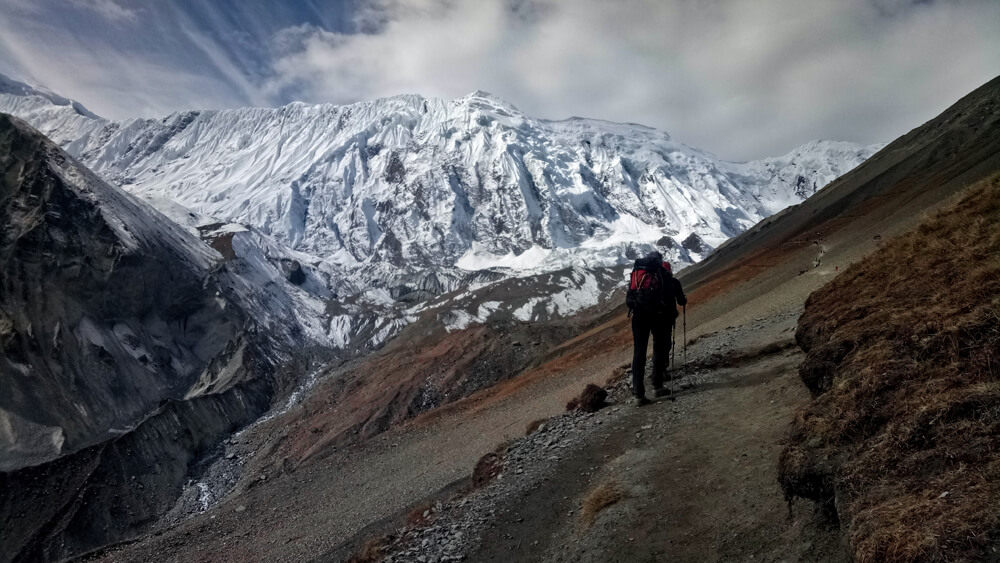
(652, 299)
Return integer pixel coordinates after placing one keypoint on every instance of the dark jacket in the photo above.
(673, 291)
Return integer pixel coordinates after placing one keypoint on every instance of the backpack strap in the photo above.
(635, 283)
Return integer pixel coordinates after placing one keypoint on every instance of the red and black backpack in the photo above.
(648, 289)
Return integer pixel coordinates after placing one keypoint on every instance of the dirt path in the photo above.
(698, 484)
(697, 476)
(691, 480)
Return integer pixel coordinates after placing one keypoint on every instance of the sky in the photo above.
(740, 78)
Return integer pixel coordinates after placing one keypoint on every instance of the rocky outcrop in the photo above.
(122, 354)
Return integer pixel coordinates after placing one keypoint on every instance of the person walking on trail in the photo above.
(652, 299)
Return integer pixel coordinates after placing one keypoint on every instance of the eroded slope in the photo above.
(904, 360)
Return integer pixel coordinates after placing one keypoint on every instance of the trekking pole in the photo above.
(673, 355)
(685, 309)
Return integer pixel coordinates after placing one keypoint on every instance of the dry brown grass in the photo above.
(489, 466)
(371, 551)
(591, 399)
(534, 425)
(903, 356)
(600, 497)
(417, 517)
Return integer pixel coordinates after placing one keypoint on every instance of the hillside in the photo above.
(903, 356)
(794, 250)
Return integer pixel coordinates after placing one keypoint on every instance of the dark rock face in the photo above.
(668, 243)
(120, 355)
(417, 287)
(694, 243)
(107, 492)
(294, 273)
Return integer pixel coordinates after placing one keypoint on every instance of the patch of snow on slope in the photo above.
(387, 330)
(478, 259)
(486, 309)
(573, 299)
(526, 312)
(340, 331)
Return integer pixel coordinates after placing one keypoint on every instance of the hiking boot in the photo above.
(642, 401)
(661, 392)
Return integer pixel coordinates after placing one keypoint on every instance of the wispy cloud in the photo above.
(109, 10)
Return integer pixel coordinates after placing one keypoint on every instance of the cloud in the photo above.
(89, 51)
(743, 79)
(740, 78)
(110, 82)
(108, 9)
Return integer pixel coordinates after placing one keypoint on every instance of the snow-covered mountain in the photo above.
(408, 195)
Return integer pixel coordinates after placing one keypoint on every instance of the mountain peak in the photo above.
(493, 99)
(15, 88)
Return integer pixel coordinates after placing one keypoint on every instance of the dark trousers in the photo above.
(642, 326)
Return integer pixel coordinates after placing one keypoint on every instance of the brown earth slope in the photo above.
(423, 369)
(885, 196)
(904, 355)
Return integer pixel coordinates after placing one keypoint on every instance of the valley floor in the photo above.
(687, 480)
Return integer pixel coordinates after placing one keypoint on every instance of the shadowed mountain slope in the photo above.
(887, 194)
(126, 347)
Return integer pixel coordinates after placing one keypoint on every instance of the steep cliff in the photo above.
(126, 346)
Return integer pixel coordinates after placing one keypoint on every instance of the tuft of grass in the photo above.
(903, 358)
(534, 425)
(416, 516)
(489, 466)
(371, 550)
(600, 497)
(617, 375)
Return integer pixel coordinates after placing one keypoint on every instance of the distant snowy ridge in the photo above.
(427, 183)
(390, 202)
(782, 181)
